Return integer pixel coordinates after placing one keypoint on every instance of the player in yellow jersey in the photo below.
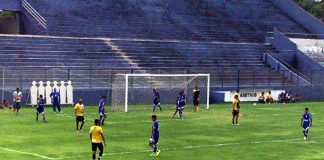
(236, 110)
(97, 139)
(79, 115)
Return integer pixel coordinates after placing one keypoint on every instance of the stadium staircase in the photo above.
(224, 38)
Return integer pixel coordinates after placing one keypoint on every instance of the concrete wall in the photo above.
(10, 25)
(291, 55)
(301, 16)
(11, 5)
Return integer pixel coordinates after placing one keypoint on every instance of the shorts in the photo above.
(156, 139)
(306, 126)
(16, 105)
(96, 146)
(196, 102)
(236, 112)
(156, 102)
(180, 109)
(40, 110)
(80, 119)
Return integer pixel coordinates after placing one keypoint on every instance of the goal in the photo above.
(135, 91)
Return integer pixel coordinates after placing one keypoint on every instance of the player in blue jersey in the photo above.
(56, 100)
(180, 104)
(40, 108)
(155, 135)
(102, 110)
(306, 122)
(156, 101)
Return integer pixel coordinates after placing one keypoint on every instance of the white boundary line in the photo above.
(26, 153)
(197, 146)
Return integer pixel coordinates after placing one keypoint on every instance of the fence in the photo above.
(92, 83)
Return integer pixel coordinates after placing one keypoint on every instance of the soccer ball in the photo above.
(254, 104)
(151, 141)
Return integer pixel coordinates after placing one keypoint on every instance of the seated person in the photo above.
(261, 98)
(269, 98)
(287, 96)
(281, 97)
(5, 105)
(296, 98)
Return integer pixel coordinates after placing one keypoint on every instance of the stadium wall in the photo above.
(11, 5)
(289, 53)
(300, 15)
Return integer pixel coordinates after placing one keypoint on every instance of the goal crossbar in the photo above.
(164, 75)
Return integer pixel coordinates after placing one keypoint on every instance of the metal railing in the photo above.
(30, 10)
(88, 79)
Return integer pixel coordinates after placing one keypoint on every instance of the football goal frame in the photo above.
(123, 82)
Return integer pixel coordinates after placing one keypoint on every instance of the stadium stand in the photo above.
(234, 20)
(225, 38)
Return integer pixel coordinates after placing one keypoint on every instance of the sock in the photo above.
(44, 119)
(153, 108)
(154, 149)
(304, 133)
(77, 126)
(232, 121)
(81, 125)
(93, 156)
(160, 108)
(36, 116)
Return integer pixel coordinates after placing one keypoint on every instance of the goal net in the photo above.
(135, 91)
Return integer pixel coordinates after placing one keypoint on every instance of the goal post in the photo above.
(134, 91)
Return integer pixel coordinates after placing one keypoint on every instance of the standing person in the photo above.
(306, 122)
(79, 115)
(55, 96)
(102, 110)
(236, 110)
(40, 108)
(196, 93)
(17, 96)
(97, 137)
(156, 101)
(180, 104)
(237, 92)
(155, 135)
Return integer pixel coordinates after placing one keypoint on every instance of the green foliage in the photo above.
(267, 132)
(315, 8)
(7, 14)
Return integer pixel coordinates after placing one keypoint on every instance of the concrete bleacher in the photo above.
(235, 20)
(93, 62)
(89, 41)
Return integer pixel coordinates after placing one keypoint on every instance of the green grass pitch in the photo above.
(266, 132)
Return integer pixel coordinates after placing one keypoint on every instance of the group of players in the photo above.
(306, 119)
(96, 132)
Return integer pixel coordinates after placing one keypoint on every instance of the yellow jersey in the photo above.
(269, 96)
(235, 104)
(96, 132)
(79, 109)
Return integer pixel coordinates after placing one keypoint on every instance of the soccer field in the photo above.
(266, 132)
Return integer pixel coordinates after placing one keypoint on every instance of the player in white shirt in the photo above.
(17, 95)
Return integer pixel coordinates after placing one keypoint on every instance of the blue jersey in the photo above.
(156, 98)
(181, 101)
(102, 104)
(40, 105)
(56, 97)
(156, 128)
(306, 117)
